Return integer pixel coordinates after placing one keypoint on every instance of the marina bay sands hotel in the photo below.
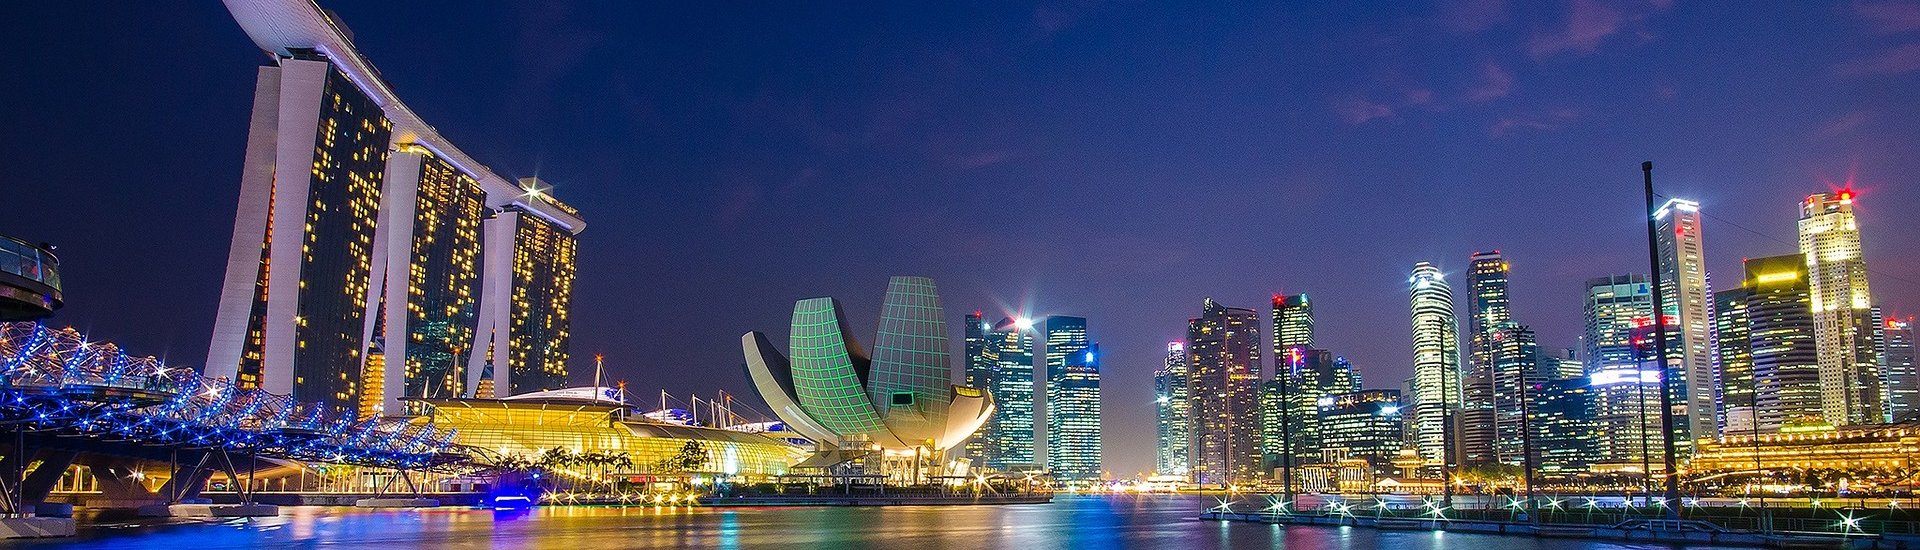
(372, 259)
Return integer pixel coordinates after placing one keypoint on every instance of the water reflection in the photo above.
(1149, 521)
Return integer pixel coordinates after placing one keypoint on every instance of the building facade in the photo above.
(1780, 340)
(357, 223)
(1842, 310)
(1686, 298)
(1073, 417)
(1173, 405)
(1224, 376)
(1733, 357)
(1361, 425)
(1565, 437)
(1292, 322)
(1489, 308)
(1007, 443)
(1624, 375)
(1436, 367)
(1902, 378)
(1066, 338)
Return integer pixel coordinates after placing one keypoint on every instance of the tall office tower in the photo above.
(1733, 357)
(1436, 366)
(298, 328)
(1565, 437)
(1554, 366)
(1065, 338)
(426, 280)
(1292, 322)
(1224, 376)
(1073, 417)
(1345, 367)
(1625, 380)
(1896, 364)
(1173, 405)
(1006, 442)
(1842, 310)
(1361, 425)
(983, 371)
(1515, 371)
(1684, 295)
(1786, 365)
(526, 309)
(1489, 307)
(1289, 403)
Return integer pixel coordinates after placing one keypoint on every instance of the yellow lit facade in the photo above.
(373, 382)
(1842, 310)
(1888, 447)
(526, 428)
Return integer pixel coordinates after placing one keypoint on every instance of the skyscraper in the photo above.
(1289, 404)
(1684, 294)
(1173, 403)
(1733, 355)
(358, 222)
(1842, 310)
(1436, 366)
(1224, 374)
(1361, 425)
(1897, 366)
(1480, 385)
(1292, 322)
(1073, 417)
(299, 328)
(1786, 367)
(1065, 338)
(1565, 437)
(983, 372)
(1007, 442)
(1514, 373)
(1624, 376)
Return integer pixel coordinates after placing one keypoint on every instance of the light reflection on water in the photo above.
(1150, 521)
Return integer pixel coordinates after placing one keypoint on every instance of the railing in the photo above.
(29, 261)
(1886, 517)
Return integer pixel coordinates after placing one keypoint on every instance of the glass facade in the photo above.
(1733, 353)
(1173, 405)
(443, 282)
(526, 429)
(1897, 366)
(911, 382)
(1224, 378)
(1685, 297)
(542, 305)
(1786, 369)
(1073, 416)
(1361, 425)
(1066, 339)
(1292, 322)
(1489, 310)
(1842, 310)
(1436, 363)
(1565, 437)
(1007, 442)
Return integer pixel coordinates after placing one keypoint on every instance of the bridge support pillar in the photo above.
(40, 482)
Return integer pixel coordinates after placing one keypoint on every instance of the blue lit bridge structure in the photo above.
(62, 397)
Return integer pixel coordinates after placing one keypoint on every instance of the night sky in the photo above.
(1115, 161)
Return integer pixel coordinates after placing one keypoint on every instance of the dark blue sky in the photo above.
(1115, 161)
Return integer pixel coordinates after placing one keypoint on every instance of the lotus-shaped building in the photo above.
(899, 398)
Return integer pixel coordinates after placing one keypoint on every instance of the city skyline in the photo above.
(700, 297)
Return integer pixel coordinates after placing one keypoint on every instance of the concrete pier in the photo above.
(34, 528)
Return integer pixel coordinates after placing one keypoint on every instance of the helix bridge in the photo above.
(54, 382)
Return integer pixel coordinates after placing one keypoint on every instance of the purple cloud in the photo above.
(1359, 110)
(1588, 24)
(1842, 125)
(1899, 60)
(1495, 83)
(1551, 120)
(1890, 17)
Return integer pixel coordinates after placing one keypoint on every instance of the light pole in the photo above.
(1660, 348)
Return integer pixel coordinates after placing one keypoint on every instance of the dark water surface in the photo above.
(1154, 521)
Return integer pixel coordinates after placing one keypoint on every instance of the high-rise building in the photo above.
(1622, 372)
(426, 280)
(1786, 367)
(298, 328)
(1173, 404)
(1515, 372)
(1289, 421)
(527, 318)
(1897, 366)
(1361, 425)
(357, 221)
(1565, 438)
(1006, 443)
(1065, 338)
(1733, 357)
(982, 371)
(1224, 377)
(1685, 297)
(1292, 322)
(1436, 366)
(1489, 309)
(1842, 310)
(1073, 417)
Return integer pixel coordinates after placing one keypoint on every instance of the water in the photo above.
(1154, 521)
